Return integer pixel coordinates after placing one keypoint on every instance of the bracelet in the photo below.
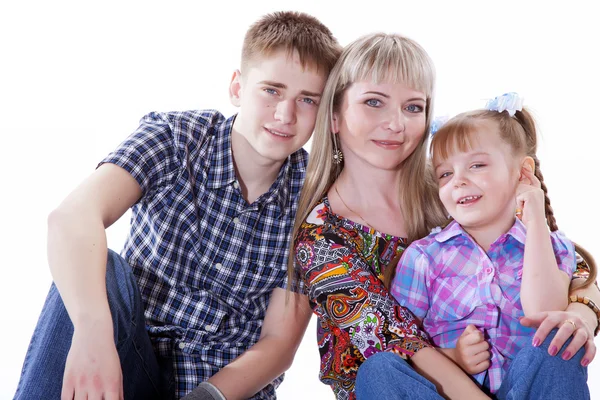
(588, 302)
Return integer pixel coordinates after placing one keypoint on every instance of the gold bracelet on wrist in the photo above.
(588, 302)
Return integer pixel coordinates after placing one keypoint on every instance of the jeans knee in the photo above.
(375, 365)
(122, 292)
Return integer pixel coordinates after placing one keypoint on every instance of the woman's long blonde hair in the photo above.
(377, 57)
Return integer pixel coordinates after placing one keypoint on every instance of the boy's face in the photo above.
(278, 102)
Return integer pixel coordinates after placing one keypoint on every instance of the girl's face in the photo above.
(478, 186)
(380, 125)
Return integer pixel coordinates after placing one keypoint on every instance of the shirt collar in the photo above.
(518, 231)
(454, 229)
(221, 171)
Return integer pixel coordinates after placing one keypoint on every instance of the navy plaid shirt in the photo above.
(205, 260)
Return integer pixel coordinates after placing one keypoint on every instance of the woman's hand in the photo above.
(581, 332)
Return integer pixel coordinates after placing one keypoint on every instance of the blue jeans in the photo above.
(533, 374)
(144, 375)
(387, 376)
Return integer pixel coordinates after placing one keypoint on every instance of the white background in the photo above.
(76, 77)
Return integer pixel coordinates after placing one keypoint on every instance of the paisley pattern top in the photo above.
(341, 264)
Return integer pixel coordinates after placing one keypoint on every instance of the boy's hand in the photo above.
(472, 353)
(530, 198)
(93, 369)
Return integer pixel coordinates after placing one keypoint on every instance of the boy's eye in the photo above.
(308, 100)
(414, 108)
(373, 103)
(270, 91)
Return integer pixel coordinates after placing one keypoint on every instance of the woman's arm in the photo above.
(585, 320)
(352, 300)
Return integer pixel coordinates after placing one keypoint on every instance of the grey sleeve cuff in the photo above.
(205, 391)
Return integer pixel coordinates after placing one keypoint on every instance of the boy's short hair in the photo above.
(292, 31)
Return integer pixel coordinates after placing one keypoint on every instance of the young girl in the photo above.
(471, 282)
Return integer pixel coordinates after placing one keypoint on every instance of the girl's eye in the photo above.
(373, 103)
(414, 108)
(445, 175)
(477, 166)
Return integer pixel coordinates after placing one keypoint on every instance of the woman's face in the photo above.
(380, 125)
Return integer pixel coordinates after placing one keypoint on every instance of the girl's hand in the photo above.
(582, 334)
(530, 198)
(472, 353)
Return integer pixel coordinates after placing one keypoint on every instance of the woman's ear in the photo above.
(335, 128)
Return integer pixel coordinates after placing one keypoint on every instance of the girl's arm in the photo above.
(544, 286)
(450, 381)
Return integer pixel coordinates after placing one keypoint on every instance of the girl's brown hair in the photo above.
(520, 133)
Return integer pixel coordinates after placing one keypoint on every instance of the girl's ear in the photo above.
(529, 164)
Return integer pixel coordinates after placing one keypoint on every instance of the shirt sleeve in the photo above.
(148, 154)
(409, 286)
(351, 302)
(564, 250)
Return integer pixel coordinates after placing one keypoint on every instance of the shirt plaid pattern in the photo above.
(205, 260)
(448, 281)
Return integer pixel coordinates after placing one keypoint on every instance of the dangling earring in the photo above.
(337, 154)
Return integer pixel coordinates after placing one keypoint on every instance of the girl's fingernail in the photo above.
(566, 355)
(553, 350)
(585, 362)
(536, 342)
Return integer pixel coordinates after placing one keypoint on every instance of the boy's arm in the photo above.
(282, 331)
(77, 253)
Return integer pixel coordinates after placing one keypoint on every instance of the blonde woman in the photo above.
(368, 194)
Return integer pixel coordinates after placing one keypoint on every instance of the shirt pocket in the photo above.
(453, 298)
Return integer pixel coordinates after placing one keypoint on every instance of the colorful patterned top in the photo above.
(342, 263)
(449, 282)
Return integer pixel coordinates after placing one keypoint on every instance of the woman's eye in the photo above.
(373, 103)
(414, 108)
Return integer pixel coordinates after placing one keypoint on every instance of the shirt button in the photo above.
(520, 273)
(488, 270)
(218, 266)
(491, 306)
(236, 220)
(209, 328)
(236, 185)
(181, 345)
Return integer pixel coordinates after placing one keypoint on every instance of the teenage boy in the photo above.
(198, 300)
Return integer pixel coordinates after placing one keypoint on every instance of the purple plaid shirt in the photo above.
(449, 282)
